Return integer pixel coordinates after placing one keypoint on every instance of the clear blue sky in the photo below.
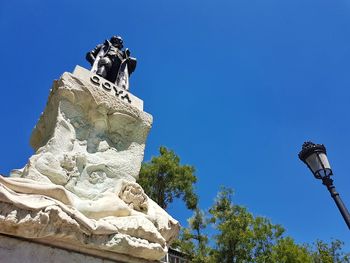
(235, 87)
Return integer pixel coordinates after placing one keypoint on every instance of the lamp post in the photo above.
(315, 157)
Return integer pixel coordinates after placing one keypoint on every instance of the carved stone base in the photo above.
(79, 190)
(16, 250)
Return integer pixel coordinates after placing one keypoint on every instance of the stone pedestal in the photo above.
(79, 191)
(15, 250)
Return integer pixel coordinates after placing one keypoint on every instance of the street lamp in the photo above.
(315, 157)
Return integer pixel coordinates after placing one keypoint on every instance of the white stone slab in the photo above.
(14, 250)
(97, 81)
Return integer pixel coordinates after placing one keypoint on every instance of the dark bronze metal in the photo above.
(310, 148)
(328, 182)
(110, 61)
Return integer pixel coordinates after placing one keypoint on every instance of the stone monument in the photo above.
(78, 192)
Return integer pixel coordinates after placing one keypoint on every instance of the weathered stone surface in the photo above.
(79, 188)
(14, 250)
(108, 86)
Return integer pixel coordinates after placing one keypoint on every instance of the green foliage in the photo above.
(264, 237)
(241, 236)
(192, 241)
(330, 253)
(184, 243)
(287, 251)
(164, 178)
(233, 241)
(197, 225)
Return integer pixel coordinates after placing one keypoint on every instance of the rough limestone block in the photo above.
(79, 189)
(14, 250)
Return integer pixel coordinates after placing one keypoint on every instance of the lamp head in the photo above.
(315, 157)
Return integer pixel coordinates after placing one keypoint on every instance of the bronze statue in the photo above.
(111, 62)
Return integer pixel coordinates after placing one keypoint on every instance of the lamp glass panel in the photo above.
(324, 173)
(324, 160)
(314, 163)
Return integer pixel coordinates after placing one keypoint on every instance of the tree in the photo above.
(164, 178)
(233, 241)
(241, 236)
(265, 235)
(330, 253)
(192, 241)
(287, 251)
(197, 225)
